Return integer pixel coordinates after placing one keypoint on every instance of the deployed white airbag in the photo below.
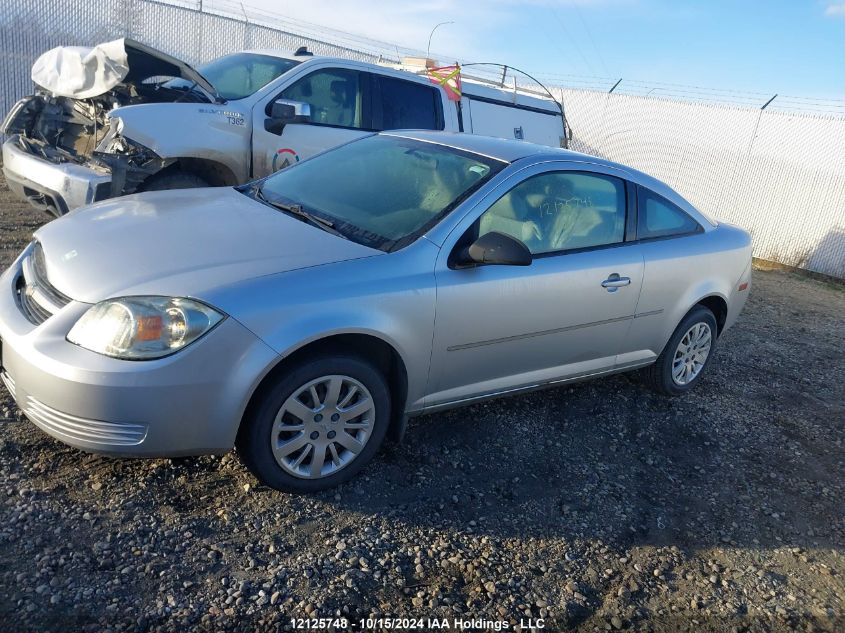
(81, 72)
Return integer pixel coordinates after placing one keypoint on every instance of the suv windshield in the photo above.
(239, 75)
(381, 191)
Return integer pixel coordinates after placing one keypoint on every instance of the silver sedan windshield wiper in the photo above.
(297, 210)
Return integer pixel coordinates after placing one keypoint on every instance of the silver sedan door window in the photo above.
(561, 211)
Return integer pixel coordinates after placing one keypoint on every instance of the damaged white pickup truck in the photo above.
(122, 117)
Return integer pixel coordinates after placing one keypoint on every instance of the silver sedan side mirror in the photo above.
(494, 248)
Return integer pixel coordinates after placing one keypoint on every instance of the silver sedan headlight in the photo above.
(142, 328)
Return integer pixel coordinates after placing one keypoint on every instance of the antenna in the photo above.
(428, 50)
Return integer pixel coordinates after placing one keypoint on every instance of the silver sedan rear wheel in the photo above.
(322, 426)
(691, 353)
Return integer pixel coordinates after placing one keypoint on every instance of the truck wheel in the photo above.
(174, 180)
(317, 426)
(687, 354)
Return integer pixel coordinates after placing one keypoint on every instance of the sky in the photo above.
(790, 47)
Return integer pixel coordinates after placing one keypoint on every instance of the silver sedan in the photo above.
(305, 317)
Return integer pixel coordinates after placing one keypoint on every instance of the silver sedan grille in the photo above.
(37, 297)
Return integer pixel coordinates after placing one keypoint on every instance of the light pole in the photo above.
(428, 50)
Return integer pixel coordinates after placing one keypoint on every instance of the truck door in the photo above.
(340, 112)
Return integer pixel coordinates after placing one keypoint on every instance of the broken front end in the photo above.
(63, 149)
(64, 153)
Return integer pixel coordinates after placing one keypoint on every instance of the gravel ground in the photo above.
(599, 506)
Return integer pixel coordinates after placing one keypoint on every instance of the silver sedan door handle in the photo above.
(614, 282)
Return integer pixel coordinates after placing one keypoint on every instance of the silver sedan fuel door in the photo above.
(505, 327)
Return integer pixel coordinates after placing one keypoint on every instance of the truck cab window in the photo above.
(408, 105)
(335, 97)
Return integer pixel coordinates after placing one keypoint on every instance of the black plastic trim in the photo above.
(632, 220)
(585, 249)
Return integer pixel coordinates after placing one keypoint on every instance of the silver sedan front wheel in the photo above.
(691, 353)
(315, 423)
(322, 426)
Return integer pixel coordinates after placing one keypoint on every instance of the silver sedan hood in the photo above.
(180, 243)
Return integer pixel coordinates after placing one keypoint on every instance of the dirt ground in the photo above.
(599, 506)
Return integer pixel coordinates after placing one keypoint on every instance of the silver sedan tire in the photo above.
(317, 426)
(687, 354)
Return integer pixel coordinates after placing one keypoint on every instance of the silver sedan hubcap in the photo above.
(322, 427)
(691, 354)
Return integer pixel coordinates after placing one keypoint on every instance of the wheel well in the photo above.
(214, 173)
(373, 349)
(719, 308)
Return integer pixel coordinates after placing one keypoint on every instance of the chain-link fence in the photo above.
(779, 175)
(30, 27)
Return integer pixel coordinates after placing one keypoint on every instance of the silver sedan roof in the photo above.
(511, 150)
(507, 150)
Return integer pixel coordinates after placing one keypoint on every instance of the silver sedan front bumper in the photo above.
(53, 187)
(189, 403)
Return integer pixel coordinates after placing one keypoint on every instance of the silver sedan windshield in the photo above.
(381, 191)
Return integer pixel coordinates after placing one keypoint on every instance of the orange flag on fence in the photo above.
(450, 78)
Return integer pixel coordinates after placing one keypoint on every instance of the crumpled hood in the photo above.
(180, 243)
(82, 72)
